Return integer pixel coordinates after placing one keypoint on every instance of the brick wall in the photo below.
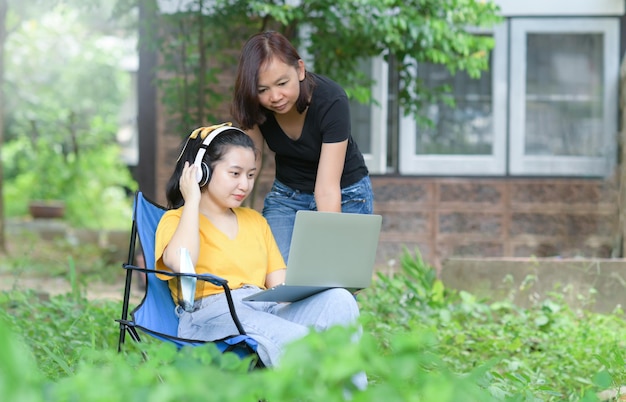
(472, 217)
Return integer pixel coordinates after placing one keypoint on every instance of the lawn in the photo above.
(420, 342)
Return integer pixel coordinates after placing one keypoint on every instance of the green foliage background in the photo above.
(420, 341)
(64, 87)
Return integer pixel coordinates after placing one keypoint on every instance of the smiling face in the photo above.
(279, 85)
(232, 177)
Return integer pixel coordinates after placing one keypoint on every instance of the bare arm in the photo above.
(328, 180)
(187, 234)
(259, 144)
(275, 278)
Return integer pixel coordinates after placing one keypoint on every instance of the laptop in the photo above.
(328, 250)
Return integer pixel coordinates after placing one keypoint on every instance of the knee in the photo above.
(340, 294)
(343, 305)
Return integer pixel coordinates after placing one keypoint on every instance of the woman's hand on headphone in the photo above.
(188, 183)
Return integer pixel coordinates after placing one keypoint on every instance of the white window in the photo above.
(564, 85)
(547, 106)
(369, 122)
(468, 139)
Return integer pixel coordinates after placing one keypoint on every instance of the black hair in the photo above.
(214, 153)
(257, 51)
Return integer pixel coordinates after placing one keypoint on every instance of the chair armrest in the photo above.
(214, 279)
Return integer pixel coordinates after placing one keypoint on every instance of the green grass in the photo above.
(29, 256)
(548, 351)
(421, 342)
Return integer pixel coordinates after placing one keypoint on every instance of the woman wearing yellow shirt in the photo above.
(214, 174)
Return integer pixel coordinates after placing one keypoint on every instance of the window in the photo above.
(466, 128)
(369, 122)
(468, 138)
(564, 80)
(546, 107)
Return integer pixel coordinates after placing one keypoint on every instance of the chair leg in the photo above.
(134, 335)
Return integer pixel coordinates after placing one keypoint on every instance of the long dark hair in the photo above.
(214, 153)
(258, 50)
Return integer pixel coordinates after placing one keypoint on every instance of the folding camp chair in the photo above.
(155, 315)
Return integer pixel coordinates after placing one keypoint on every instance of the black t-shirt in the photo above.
(327, 121)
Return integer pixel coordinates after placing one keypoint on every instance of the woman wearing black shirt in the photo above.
(305, 120)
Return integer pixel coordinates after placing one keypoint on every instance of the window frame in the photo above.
(539, 165)
(411, 163)
(376, 160)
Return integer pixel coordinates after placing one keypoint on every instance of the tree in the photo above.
(7, 24)
(340, 34)
(64, 87)
(202, 37)
(409, 31)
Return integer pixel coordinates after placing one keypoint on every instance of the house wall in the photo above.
(446, 217)
(502, 217)
(477, 217)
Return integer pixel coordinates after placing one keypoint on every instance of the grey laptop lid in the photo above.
(333, 249)
(328, 250)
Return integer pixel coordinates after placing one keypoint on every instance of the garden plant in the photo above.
(420, 342)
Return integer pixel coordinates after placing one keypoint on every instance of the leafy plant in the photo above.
(419, 342)
(548, 352)
(339, 35)
(61, 122)
(196, 46)
(20, 379)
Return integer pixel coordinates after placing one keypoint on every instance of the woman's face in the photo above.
(232, 177)
(279, 85)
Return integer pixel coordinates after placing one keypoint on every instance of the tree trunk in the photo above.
(147, 95)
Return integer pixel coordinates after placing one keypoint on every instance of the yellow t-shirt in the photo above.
(246, 259)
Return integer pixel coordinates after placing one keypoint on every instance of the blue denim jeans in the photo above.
(272, 325)
(282, 203)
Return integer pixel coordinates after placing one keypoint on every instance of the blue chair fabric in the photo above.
(155, 315)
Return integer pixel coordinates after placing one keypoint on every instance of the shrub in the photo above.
(420, 342)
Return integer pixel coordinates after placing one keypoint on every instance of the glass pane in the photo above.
(361, 116)
(564, 95)
(466, 128)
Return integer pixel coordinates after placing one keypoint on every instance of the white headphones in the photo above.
(203, 174)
